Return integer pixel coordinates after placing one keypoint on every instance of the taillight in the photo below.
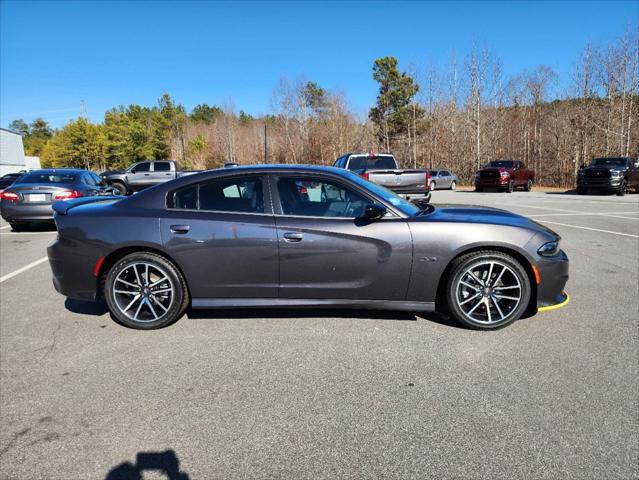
(67, 195)
(428, 178)
(365, 176)
(10, 196)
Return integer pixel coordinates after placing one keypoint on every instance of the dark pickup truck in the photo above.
(504, 175)
(142, 175)
(609, 174)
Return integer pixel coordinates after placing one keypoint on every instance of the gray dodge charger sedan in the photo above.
(300, 236)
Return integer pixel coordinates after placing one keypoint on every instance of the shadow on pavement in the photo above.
(166, 463)
(86, 308)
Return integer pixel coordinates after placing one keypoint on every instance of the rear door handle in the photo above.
(293, 237)
(147, 174)
(180, 229)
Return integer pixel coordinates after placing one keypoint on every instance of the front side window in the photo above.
(243, 194)
(141, 167)
(309, 197)
(162, 167)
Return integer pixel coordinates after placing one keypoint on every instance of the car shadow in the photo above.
(37, 227)
(85, 307)
(166, 463)
(256, 313)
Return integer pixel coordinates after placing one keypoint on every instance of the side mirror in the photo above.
(374, 211)
(636, 165)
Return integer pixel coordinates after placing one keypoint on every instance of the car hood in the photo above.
(609, 168)
(481, 215)
(496, 169)
(113, 172)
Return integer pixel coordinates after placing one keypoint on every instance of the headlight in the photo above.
(549, 249)
(505, 174)
(615, 173)
(476, 174)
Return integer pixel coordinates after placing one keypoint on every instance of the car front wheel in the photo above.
(487, 290)
(453, 185)
(144, 290)
(529, 185)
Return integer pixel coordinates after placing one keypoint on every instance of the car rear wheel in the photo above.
(487, 290)
(453, 185)
(581, 191)
(529, 185)
(18, 227)
(479, 189)
(145, 291)
(433, 185)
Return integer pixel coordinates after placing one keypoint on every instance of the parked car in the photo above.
(29, 199)
(8, 179)
(504, 175)
(247, 237)
(609, 174)
(382, 169)
(142, 175)
(443, 179)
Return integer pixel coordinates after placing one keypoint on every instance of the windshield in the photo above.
(48, 178)
(501, 163)
(384, 162)
(399, 203)
(609, 162)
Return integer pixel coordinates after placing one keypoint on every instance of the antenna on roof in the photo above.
(83, 110)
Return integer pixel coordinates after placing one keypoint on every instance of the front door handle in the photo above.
(293, 237)
(147, 174)
(180, 229)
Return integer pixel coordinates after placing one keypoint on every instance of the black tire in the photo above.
(581, 191)
(432, 185)
(510, 187)
(529, 185)
(121, 188)
(622, 189)
(458, 270)
(175, 306)
(18, 227)
(453, 185)
(479, 189)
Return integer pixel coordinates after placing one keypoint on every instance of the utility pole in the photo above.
(83, 110)
(265, 145)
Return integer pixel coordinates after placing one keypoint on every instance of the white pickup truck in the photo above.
(382, 169)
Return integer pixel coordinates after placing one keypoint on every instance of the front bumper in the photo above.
(553, 274)
(497, 182)
(613, 183)
(13, 212)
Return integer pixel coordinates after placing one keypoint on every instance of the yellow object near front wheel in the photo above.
(563, 303)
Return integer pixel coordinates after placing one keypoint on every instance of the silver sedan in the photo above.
(440, 179)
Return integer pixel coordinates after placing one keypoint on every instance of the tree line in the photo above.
(455, 117)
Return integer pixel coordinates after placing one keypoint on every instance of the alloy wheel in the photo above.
(143, 292)
(488, 292)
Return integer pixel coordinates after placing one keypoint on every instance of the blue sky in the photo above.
(55, 54)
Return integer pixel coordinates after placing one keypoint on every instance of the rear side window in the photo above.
(89, 180)
(239, 194)
(162, 166)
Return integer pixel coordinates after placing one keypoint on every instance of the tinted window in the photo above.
(242, 194)
(433, 173)
(319, 198)
(445, 173)
(610, 162)
(162, 166)
(49, 178)
(371, 163)
(142, 167)
(501, 163)
(97, 179)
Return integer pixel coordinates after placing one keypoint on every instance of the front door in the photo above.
(223, 238)
(327, 252)
(139, 176)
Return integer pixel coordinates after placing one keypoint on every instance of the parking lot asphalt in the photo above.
(332, 394)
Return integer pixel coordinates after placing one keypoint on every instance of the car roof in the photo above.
(58, 170)
(263, 168)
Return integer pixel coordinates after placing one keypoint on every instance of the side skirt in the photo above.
(311, 303)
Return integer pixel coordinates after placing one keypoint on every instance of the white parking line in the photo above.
(23, 269)
(15, 234)
(6, 226)
(593, 229)
(604, 214)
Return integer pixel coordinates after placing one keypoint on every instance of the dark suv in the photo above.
(609, 174)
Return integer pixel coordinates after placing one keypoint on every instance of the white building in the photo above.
(12, 157)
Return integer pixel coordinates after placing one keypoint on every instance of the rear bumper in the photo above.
(411, 193)
(12, 212)
(553, 272)
(72, 273)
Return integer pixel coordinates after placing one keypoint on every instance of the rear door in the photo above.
(162, 172)
(326, 252)
(222, 234)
